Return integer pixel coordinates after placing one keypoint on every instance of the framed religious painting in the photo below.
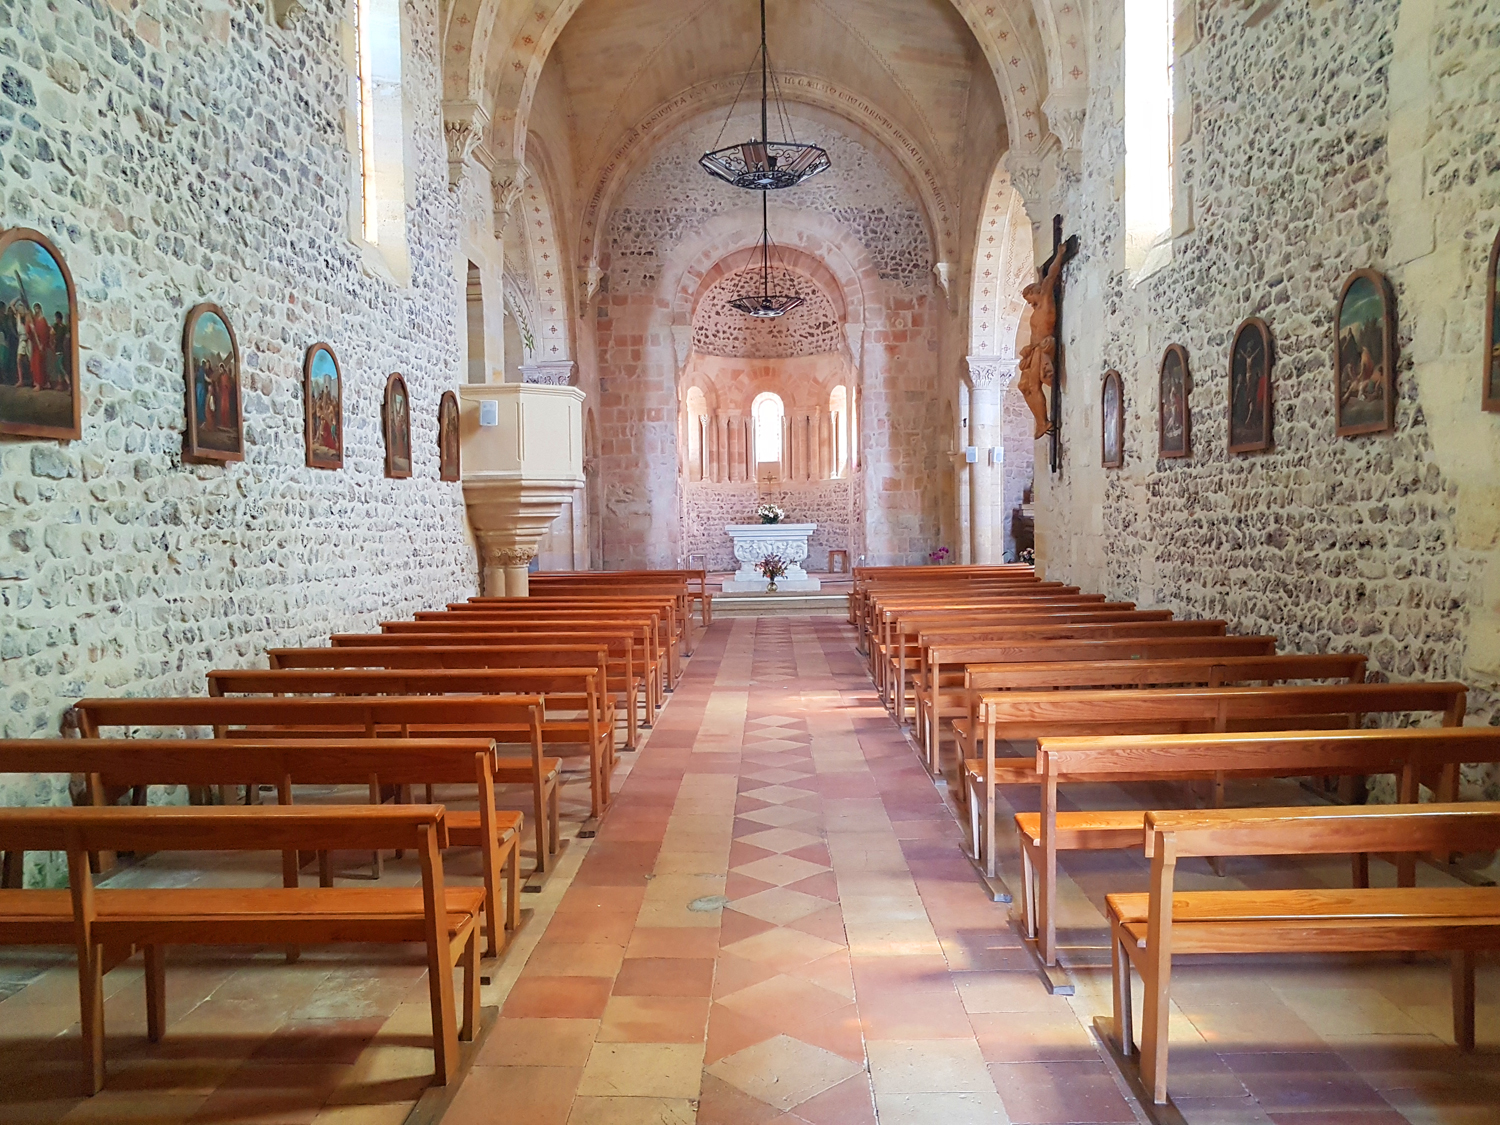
(1250, 400)
(1174, 421)
(395, 417)
(1112, 440)
(39, 394)
(448, 437)
(215, 427)
(1364, 353)
(323, 405)
(1492, 330)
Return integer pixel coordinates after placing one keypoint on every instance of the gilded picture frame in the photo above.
(323, 408)
(395, 418)
(39, 392)
(449, 463)
(1252, 399)
(1364, 356)
(215, 430)
(1174, 429)
(1112, 414)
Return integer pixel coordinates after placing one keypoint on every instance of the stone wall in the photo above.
(812, 328)
(857, 221)
(1313, 139)
(827, 503)
(160, 149)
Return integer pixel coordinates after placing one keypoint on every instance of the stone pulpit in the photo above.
(754, 541)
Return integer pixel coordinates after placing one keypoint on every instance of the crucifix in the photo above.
(1041, 360)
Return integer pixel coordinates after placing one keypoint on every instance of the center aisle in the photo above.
(776, 924)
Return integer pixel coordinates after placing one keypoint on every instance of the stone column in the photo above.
(989, 377)
(507, 570)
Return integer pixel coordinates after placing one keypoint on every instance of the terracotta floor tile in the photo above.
(538, 1095)
(538, 1042)
(1038, 1037)
(558, 997)
(575, 959)
(643, 1070)
(665, 976)
(631, 1111)
(669, 941)
(730, 1031)
(1054, 1093)
(847, 1103)
(783, 1072)
(614, 929)
(719, 1103)
(654, 1019)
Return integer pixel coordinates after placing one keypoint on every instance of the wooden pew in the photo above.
(676, 623)
(1410, 753)
(564, 579)
(864, 597)
(112, 765)
(1147, 930)
(1031, 715)
(661, 617)
(1057, 629)
(620, 679)
(93, 919)
(876, 600)
(508, 719)
(628, 648)
(1140, 672)
(578, 711)
(483, 629)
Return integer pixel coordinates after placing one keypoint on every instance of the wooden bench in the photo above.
(94, 920)
(110, 766)
(482, 629)
(677, 635)
(1147, 930)
(619, 676)
(578, 711)
(627, 580)
(1410, 753)
(629, 653)
(1030, 715)
(873, 603)
(508, 719)
(949, 666)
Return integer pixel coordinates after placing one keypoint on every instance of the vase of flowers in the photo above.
(770, 513)
(1026, 555)
(938, 557)
(771, 568)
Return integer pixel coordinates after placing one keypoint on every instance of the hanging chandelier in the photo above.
(764, 164)
(765, 304)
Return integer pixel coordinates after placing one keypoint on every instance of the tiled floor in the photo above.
(774, 924)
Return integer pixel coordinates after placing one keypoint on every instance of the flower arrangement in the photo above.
(1026, 555)
(771, 568)
(938, 557)
(770, 513)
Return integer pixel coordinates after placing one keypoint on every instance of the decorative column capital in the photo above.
(549, 373)
(1066, 108)
(507, 181)
(512, 556)
(987, 371)
(464, 124)
(286, 14)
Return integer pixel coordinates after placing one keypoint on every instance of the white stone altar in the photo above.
(754, 541)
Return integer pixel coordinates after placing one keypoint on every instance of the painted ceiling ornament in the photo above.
(762, 164)
(765, 304)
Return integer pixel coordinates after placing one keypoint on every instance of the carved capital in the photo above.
(464, 124)
(986, 371)
(549, 373)
(942, 273)
(1026, 175)
(507, 181)
(511, 556)
(592, 278)
(1066, 109)
(286, 13)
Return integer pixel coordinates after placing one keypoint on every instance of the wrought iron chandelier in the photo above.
(765, 304)
(764, 164)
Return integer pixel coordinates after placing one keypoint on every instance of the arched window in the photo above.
(697, 432)
(838, 410)
(379, 133)
(768, 415)
(1148, 135)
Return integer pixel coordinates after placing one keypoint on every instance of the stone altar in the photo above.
(754, 541)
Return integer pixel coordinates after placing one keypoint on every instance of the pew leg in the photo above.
(976, 832)
(1463, 999)
(539, 803)
(325, 870)
(1120, 968)
(91, 1016)
(513, 882)
(156, 992)
(1028, 889)
(555, 825)
(1154, 1022)
(12, 868)
(1361, 865)
(470, 964)
(492, 918)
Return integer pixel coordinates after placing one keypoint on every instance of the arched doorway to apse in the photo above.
(994, 420)
(764, 409)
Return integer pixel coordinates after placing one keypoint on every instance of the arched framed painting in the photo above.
(323, 405)
(215, 424)
(39, 394)
(1174, 420)
(1112, 439)
(1492, 330)
(1364, 355)
(395, 417)
(1251, 403)
(448, 456)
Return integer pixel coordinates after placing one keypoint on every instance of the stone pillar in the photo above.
(507, 570)
(989, 377)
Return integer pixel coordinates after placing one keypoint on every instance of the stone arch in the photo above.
(497, 48)
(1004, 264)
(536, 255)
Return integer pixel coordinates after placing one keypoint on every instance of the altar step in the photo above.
(781, 605)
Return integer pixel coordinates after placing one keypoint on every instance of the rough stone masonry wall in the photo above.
(1321, 139)
(184, 152)
(667, 206)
